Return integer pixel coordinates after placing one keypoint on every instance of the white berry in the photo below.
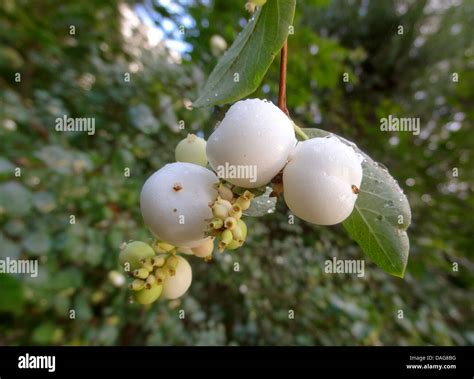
(175, 203)
(204, 250)
(192, 149)
(175, 286)
(255, 137)
(321, 180)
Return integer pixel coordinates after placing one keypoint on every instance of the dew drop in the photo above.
(388, 204)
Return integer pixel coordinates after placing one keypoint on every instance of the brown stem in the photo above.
(282, 88)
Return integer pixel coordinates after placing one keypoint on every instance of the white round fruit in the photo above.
(251, 144)
(175, 286)
(175, 203)
(204, 250)
(192, 149)
(321, 180)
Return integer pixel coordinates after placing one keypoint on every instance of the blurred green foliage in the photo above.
(282, 265)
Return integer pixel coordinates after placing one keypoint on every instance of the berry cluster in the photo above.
(188, 208)
(227, 223)
(156, 271)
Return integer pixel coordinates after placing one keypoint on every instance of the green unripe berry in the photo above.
(233, 245)
(148, 296)
(226, 237)
(192, 149)
(133, 252)
(243, 227)
(237, 233)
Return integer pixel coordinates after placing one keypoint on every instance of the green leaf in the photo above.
(250, 55)
(11, 294)
(262, 205)
(381, 214)
(15, 199)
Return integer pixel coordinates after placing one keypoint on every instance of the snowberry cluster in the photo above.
(189, 208)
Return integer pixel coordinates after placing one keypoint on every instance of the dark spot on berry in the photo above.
(355, 189)
(175, 210)
(177, 187)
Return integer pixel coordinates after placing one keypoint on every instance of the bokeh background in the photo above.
(169, 48)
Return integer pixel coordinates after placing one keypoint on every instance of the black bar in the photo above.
(378, 362)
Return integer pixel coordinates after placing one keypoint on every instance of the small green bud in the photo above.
(147, 264)
(150, 281)
(248, 195)
(236, 211)
(225, 192)
(216, 223)
(230, 223)
(221, 246)
(158, 261)
(244, 203)
(160, 275)
(220, 211)
(141, 273)
(137, 285)
(164, 247)
(172, 262)
(224, 202)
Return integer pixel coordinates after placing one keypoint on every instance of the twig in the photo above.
(282, 88)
